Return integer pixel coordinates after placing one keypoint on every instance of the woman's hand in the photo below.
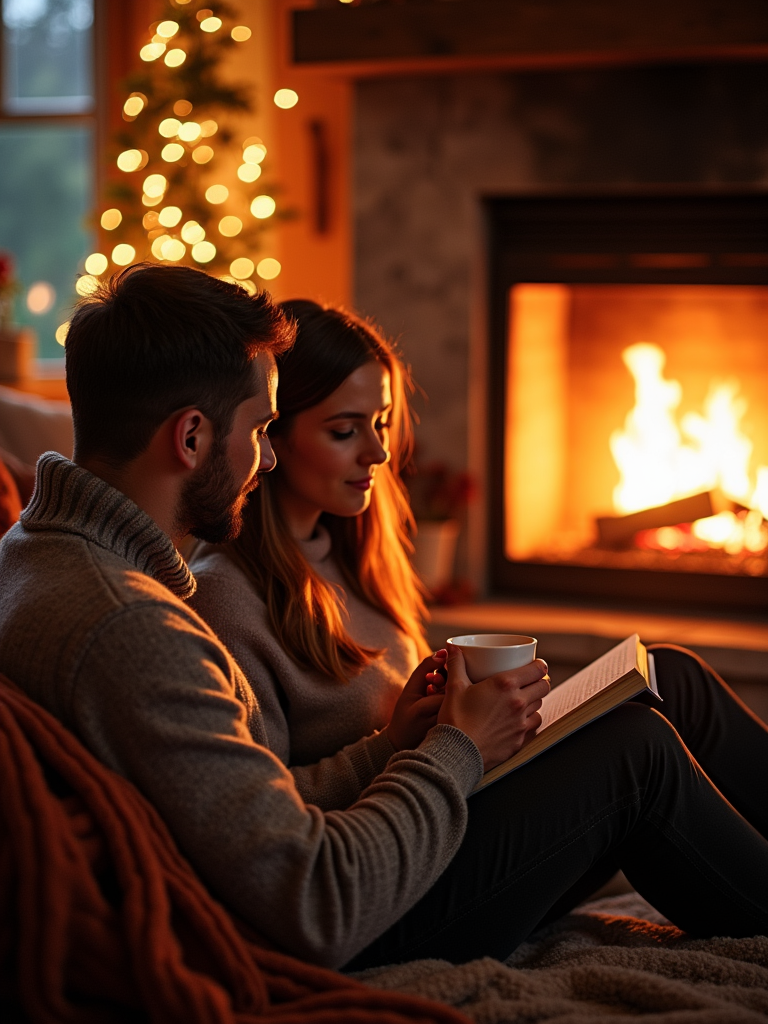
(417, 706)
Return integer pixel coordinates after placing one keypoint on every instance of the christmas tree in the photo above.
(179, 195)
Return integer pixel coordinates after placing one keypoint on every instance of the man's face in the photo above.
(213, 498)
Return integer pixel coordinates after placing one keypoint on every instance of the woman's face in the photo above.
(327, 461)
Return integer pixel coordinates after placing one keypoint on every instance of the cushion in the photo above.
(30, 425)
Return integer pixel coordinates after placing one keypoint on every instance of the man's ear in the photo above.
(192, 437)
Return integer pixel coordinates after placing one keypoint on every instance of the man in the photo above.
(172, 380)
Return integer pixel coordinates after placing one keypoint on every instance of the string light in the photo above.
(87, 284)
(241, 268)
(249, 286)
(173, 250)
(255, 153)
(217, 194)
(151, 200)
(230, 226)
(169, 216)
(172, 152)
(152, 51)
(268, 268)
(157, 245)
(96, 263)
(41, 298)
(192, 232)
(132, 160)
(182, 108)
(203, 14)
(61, 332)
(208, 128)
(263, 207)
(202, 154)
(134, 105)
(123, 254)
(167, 29)
(190, 131)
(203, 252)
(248, 172)
(169, 127)
(286, 98)
(240, 33)
(155, 185)
(175, 58)
(211, 24)
(150, 220)
(111, 219)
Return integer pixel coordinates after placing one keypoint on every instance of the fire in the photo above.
(661, 457)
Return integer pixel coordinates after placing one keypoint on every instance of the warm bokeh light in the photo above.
(96, 263)
(169, 127)
(192, 232)
(182, 107)
(150, 220)
(208, 128)
(217, 194)
(132, 160)
(152, 51)
(157, 245)
(172, 152)
(123, 254)
(248, 172)
(263, 207)
(203, 252)
(189, 131)
(151, 200)
(134, 105)
(286, 98)
(230, 226)
(173, 250)
(254, 152)
(61, 332)
(155, 185)
(86, 285)
(202, 154)
(167, 29)
(111, 219)
(41, 297)
(175, 58)
(169, 216)
(268, 268)
(240, 33)
(249, 286)
(241, 268)
(210, 24)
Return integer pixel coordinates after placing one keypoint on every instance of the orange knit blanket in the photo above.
(102, 920)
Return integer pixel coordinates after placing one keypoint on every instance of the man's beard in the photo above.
(211, 504)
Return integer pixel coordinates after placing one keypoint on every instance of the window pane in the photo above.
(47, 56)
(46, 190)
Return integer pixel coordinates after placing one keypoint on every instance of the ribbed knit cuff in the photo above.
(456, 752)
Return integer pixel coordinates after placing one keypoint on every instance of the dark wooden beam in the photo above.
(528, 32)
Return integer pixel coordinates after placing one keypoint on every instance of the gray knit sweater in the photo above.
(327, 732)
(94, 626)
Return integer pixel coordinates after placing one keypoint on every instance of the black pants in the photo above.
(676, 797)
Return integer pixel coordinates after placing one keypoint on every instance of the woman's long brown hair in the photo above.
(370, 549)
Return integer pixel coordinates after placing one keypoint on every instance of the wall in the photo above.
(427, 148)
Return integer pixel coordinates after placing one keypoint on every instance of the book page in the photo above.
(585, 684)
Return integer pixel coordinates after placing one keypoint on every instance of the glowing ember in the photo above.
(660, 460)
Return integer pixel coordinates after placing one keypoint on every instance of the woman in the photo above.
(317, 599)
(317, 602)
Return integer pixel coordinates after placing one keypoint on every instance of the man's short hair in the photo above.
(155, 339)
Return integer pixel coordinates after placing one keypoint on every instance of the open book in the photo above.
(618, 675)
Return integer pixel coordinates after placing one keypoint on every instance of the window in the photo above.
(47, 129)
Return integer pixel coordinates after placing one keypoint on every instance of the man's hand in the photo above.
(417, 706)
(498, 713)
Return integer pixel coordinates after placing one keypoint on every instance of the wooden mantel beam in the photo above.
(443, 34)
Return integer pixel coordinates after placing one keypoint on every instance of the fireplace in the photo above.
(628, 398)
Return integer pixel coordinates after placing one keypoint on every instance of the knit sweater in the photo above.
(327, 732)
(94, 626)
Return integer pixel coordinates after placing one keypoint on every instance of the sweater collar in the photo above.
(318, 547)
(69, 498)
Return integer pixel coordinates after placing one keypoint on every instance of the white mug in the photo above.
(488, 653)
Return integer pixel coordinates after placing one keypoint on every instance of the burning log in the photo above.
(618, 531)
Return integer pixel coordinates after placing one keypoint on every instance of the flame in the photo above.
(660, 459)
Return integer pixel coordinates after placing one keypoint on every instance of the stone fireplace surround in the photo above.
(428, 149)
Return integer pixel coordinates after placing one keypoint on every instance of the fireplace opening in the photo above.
(630, 421)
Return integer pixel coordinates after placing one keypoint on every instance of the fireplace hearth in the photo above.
(628, 385)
